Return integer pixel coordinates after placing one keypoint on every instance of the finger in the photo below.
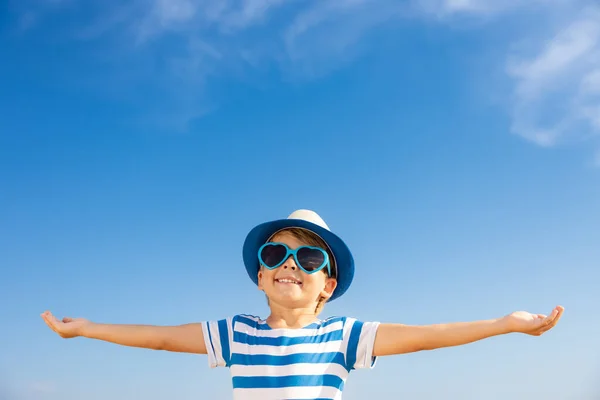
(50, 325)
(558, 311)
(55, 321)
(49, 320)
(67, 320)
(52, 322)
(545, 329)
(47, 315)
(552, 320)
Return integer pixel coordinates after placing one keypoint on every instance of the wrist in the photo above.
(504, 325)
(87, 330)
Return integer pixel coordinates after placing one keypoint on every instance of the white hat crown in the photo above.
(310, 216)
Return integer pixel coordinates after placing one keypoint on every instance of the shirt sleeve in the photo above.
(358, 343)
(218, 337)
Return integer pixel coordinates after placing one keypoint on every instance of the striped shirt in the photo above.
(308, 363)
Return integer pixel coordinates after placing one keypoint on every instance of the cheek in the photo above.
(264, 275)
(315, 281)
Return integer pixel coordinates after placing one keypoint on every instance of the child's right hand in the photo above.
(186, 338)
(68, 327)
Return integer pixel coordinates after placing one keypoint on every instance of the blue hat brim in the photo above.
(259, 235)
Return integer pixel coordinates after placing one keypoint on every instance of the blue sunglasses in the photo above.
(308, 258)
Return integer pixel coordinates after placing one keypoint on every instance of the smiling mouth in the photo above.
(288, 281)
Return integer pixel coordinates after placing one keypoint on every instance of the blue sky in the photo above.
(453, 143)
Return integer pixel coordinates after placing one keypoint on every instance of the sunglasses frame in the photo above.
(294, 253)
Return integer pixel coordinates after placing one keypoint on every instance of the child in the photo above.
(300, 265)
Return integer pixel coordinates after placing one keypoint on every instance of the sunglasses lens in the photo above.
(273, 254)
(310, 259)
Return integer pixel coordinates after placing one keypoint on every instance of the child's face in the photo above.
(304, 290)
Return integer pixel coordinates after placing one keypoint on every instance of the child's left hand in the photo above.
(532, 324)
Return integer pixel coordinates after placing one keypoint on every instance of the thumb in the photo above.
(67, 320)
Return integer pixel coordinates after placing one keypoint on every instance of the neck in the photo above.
(291, 318)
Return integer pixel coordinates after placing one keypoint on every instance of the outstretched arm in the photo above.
(399, 339)
(186, 338)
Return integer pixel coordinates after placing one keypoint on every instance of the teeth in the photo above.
(284, 280)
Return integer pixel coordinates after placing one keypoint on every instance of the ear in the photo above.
(330, 285)
(260, 277)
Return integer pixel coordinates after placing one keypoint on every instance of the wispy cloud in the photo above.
(481, 8)
(329, 33)
(182, 47)
(554, 74)
(187, 46)
(31, 11)
(556, 94)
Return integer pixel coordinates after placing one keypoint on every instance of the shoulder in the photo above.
(334, 323)
(252, 321)
(345, 319)
(336, 319)
(350, 324)
(339, 319)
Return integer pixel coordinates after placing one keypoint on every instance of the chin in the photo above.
(289, 298)
(294, 297)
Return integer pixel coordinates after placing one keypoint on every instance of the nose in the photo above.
(290, 263)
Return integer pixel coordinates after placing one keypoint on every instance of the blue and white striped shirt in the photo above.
(308, 363)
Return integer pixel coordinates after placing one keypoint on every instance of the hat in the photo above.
(306, 219)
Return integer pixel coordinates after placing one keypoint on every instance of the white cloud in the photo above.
(198, 41)
(445, 7)
(556, 86)
(558, 58)
(554, 82)
(592, 113)
(173, 11)
(250, 12)
(328, 34)
(450, 8)
(196, 17)
(591, 82)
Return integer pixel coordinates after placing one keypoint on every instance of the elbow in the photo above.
(417, 347)
(163, 345)
(159, 344)
(427, 346)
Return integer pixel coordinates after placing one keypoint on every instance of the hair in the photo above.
(312, 239)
